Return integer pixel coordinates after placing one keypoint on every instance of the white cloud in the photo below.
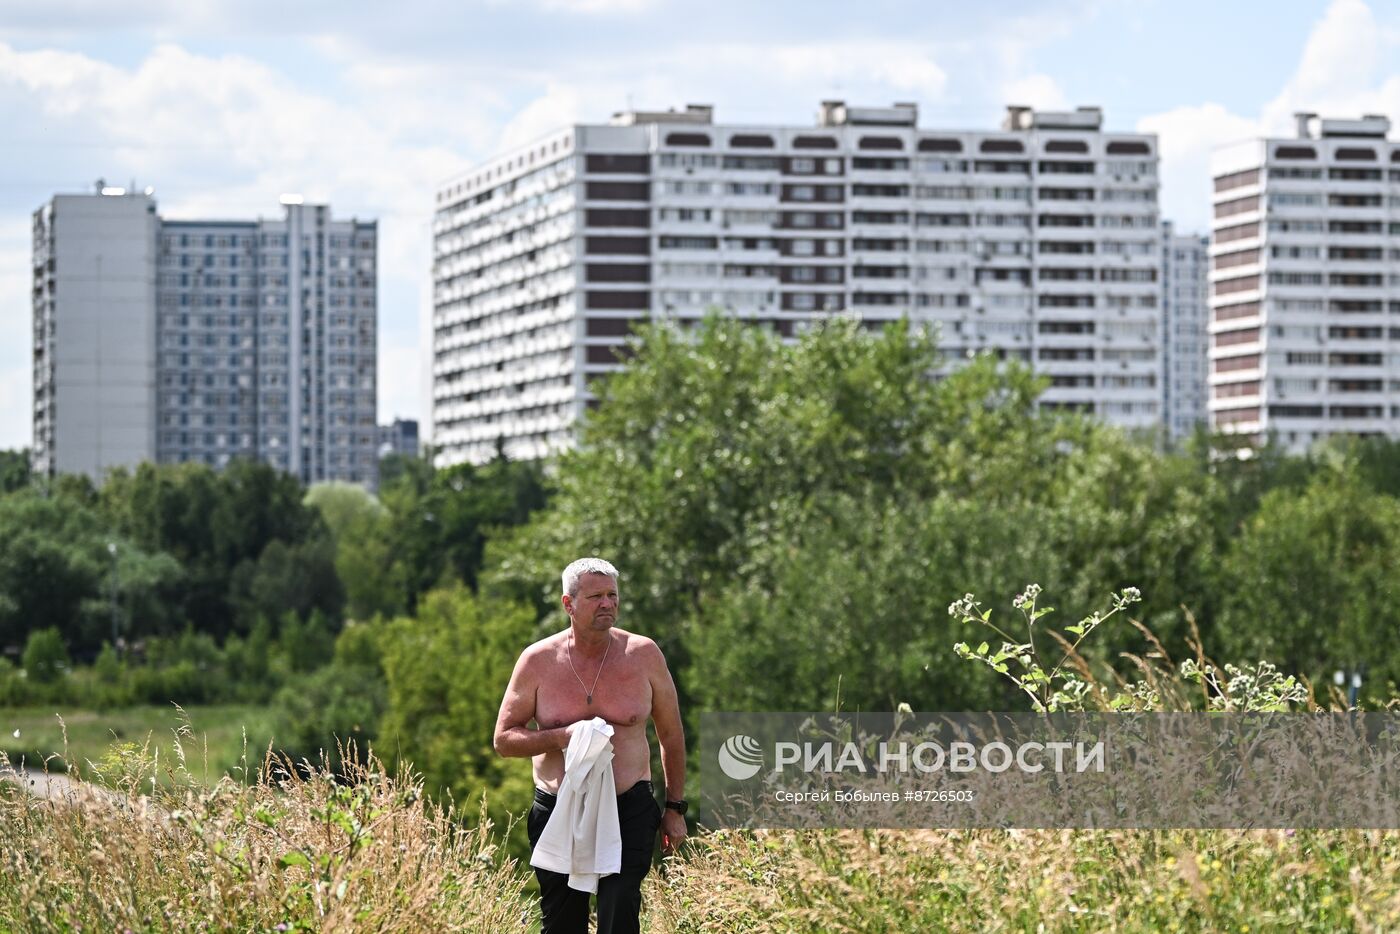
(558, 107)
(604, 7)
(1038, 91)
(1337, 68)
(1338, 75)
(907, 67)
(1186, 136)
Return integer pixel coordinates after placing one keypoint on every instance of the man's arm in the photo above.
(513, 737)
(666, 715)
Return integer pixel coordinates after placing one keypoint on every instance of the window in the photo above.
(629, 300)
(687, 139)
(1356, 155)
(609, 162)
(617, 245)
(940, 145)
(751, 141)
(752, 163)
(881, 165)
(1128, 148)
(618, 191)
(880, 142)
(1001, 145)
(618, 272)
(689, 243)
(616, 217)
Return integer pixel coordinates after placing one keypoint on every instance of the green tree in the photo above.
(218, 526)
(365, 558)
(723, 459)
(843, 605)
(1310, 583)
(45, 658)
(297, 578)
(14, 470)
(441, 521)
(446, 671)
(57, 569)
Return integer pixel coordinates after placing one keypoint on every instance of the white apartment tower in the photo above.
(1185, 326)
(179, 340)
(1305, 284)
(1037, 242)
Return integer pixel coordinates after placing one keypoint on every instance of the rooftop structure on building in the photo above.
(1039, 241)
(1305, 284)
(203, 340)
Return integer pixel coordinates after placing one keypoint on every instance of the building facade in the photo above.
(205, 341)
(1185, 326)
(1305, 284)
(1037, 242)
(399, 437)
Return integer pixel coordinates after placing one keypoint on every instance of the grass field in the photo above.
(216, 729)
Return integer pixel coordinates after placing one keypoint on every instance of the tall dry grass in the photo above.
(816, 882)
(290, 849)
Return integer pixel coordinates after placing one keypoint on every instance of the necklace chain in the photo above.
(588, 692)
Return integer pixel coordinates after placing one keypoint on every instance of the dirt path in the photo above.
(55, 786)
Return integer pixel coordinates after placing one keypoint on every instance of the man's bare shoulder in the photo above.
(641, 647)
(542, 652)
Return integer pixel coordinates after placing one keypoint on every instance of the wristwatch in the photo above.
(680, 807)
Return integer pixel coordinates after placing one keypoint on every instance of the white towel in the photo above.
(582, 836)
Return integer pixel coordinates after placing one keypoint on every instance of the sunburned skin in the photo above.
(623, 697)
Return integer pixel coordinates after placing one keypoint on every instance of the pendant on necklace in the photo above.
(590, 698)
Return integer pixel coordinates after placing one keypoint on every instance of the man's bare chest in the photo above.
(622, 696)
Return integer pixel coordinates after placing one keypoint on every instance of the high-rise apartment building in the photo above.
(399, 437)
(1185, 325)
(179, 340)
(1305, 284)
(1037, 242)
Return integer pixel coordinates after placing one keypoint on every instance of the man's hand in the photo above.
(672, 831)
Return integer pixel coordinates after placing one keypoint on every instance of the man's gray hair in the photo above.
(574, 573)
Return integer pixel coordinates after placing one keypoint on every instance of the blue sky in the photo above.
(224, 106)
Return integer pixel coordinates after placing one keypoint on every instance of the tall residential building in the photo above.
(178, 340)
(1305, 284)
(1037, 242)
(1185, 323)
(399, 437)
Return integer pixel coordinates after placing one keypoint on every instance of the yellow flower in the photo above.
(1216, 864)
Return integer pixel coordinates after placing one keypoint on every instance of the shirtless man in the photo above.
(593, 669)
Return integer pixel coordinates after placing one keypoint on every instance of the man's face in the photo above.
(594, 607)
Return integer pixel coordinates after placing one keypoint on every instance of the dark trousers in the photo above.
(565, 910)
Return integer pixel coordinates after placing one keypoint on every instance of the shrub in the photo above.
(332, 713)
(45, 658)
